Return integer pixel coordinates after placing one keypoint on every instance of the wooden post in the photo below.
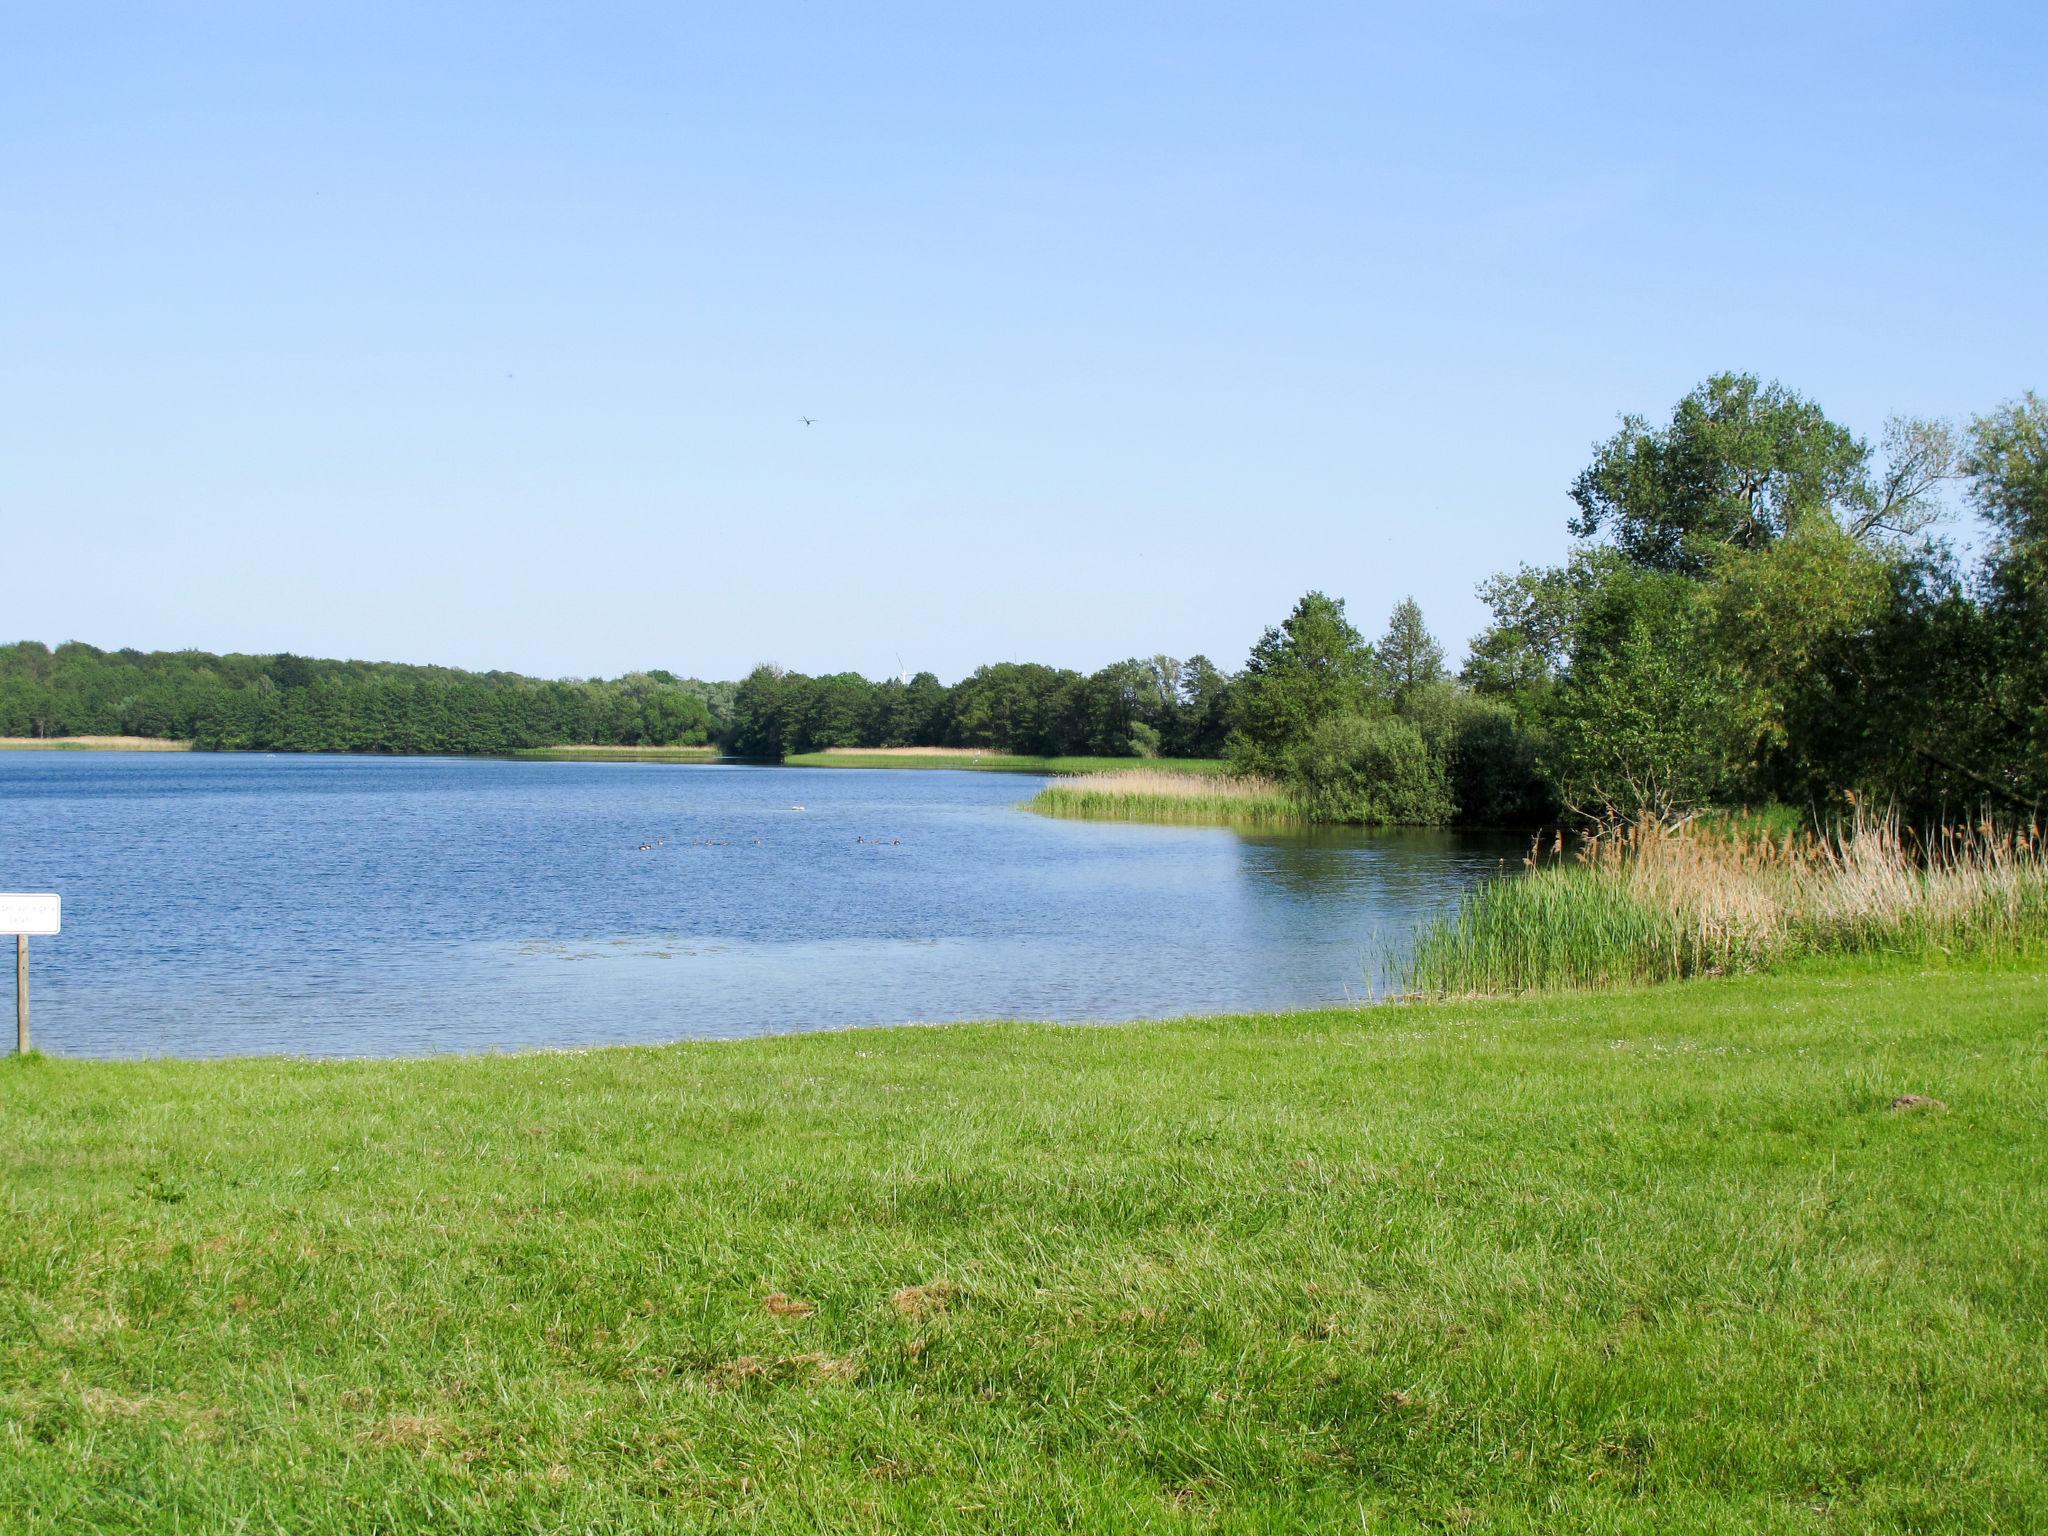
(21, 994)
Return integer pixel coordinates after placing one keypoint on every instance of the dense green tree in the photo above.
(1014, 707)
(759, 725)
(1200, 722)
(1313, 667)
(2007, 463)
(1373, 770)
(1776, 619)
(1738, 465)
(835, 713)
(1536, 613)
(1642, 723)
(1408, 654)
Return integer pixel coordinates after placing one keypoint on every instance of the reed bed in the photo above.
(92, 744)
(1152, 794)
(606, 752)
(1004, 762)
(1649, 904)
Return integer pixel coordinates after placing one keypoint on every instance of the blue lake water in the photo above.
(391, 906)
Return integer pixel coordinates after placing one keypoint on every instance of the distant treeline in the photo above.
(288, 703)
(1151, 707)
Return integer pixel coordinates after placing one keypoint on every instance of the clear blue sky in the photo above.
(478, 334)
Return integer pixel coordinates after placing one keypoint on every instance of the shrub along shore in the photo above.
(1728, 1256)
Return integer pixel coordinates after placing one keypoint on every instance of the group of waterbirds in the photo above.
(726, 842)
(695, 842)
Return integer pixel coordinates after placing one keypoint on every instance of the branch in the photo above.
(1983, 781)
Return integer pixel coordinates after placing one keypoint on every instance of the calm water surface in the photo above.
(366, 906)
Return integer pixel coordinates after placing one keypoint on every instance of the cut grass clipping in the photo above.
(1147, 794)
(1658, 1262)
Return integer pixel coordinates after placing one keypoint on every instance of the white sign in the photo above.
(29, 914)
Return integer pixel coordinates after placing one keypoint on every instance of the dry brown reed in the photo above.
(1647, 903)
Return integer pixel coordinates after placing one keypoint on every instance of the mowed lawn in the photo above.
(1662, 1262)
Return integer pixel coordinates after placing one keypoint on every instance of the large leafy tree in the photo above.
(1776, 620)
(1739, 464)
(1643, 721)
(1408, 654)
(762, 712)
(2007, 463)
(1201, 720)
(1314, 666)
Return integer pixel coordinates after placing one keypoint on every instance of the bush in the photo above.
(1487, 755)
(1496, 778)
(1375, 771)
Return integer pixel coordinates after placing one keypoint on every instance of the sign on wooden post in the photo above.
(23, 915)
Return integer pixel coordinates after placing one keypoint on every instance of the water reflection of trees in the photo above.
(1397, 866)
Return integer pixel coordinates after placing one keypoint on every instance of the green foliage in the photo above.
(1642, 723)
(1372, 770)
(1408, 654)
(1536, 614)
(1739, 465)
(1153, 706)
(290, 703)
(1493, 760)
(1313, 668)
(2008, 466)
(1779, 620)
(1826, 653)
(1157, 706)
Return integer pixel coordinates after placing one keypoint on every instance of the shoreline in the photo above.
(1824, 969)
(92, 744)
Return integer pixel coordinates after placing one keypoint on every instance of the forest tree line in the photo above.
(287, 703)
(1759, 606)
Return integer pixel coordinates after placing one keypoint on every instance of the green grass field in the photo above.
(1655, 1261)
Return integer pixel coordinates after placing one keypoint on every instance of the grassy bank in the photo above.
(610, 754)
(1146, 794)
(91, 744)
(1643, 1262)
(1003, 762)
(1649, 905)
